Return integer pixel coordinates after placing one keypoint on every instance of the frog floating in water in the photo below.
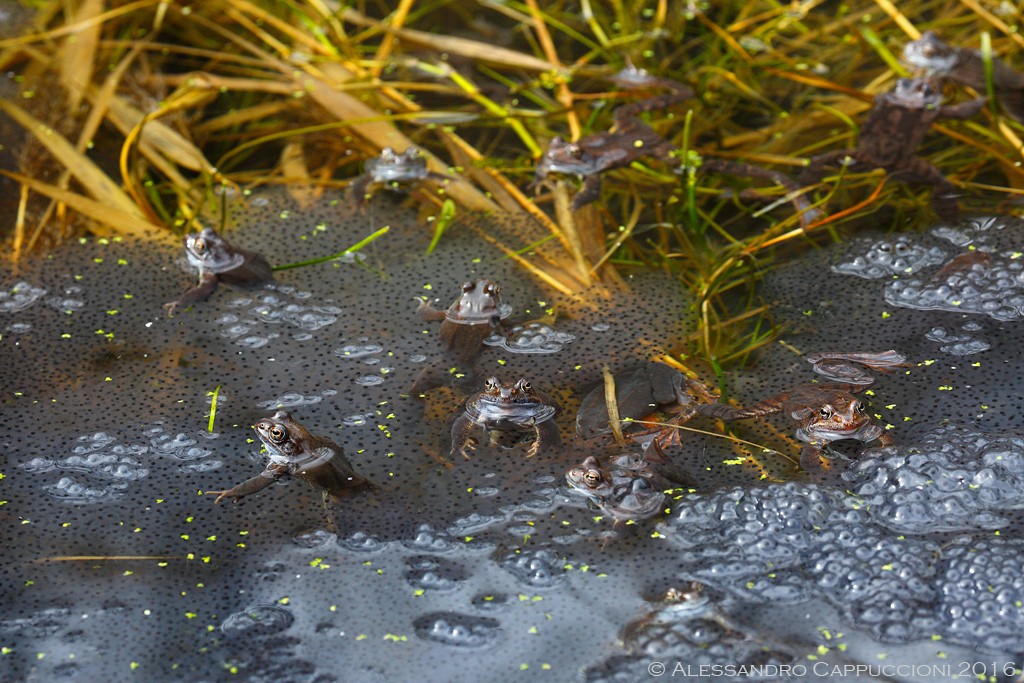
(295, 452)
(393, 171)
(631, 486)
(476, 314)
(507, 408)
(826, 412)
(639, 392)
(220, 261)
(967, 67)
(892, 134)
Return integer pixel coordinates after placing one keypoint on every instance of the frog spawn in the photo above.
(283, 548)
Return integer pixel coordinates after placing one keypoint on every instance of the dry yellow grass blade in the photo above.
(473, 49)
(78, 53)
(156, 138)
(108, 219)
(293, 165)
(93, 179)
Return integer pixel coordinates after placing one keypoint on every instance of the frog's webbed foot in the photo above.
(201, 292)
(463, 442)
(359, 188)
(426, 311)
(589, 192)
(727, 413)
(545, 436)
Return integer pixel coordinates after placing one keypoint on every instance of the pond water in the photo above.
(119, 566)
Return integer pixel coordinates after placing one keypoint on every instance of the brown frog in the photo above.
(639, 392)
(892, 134)
(475, 315)
(822, 413)
(632, 139)
(507, 408)
(837, 365)
(967, 67)
(295, 452)
(393, 171)
(217, 260)
(621, 493)
(631, 486)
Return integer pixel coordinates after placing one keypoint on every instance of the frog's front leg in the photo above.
(886, 439)
(462, 436)
(725, 412)
(964, 110)
(251, 486)
(545, 436)
(810, 459)
(426, 311)
(589, 192)
(359, 189)
(201, 292)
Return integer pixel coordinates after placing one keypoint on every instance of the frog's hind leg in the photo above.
(463, 441)
(818, 167)
(545, 436)
(589, 192)
(919, 171)
(727, 413)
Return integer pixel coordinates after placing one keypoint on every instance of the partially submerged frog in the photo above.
(514, 408)
(631, 486)
(639, 392)
(295, 452)
(967, 67)
(476, 314)
(217, 260)
(632, 139)
(823, 413)
(892, 134)
(393, 171)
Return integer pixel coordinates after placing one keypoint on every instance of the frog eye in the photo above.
(523, 385)
(591, 478)
(825, 413)
(468, 287)
(199, 245)
(575, 151)
(491, 384)
(859, 407)
(491, 289)
(278, 433)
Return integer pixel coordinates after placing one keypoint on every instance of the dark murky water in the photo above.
(487, 568)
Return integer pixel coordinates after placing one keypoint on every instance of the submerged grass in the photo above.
(182, 98)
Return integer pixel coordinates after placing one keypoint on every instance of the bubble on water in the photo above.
(19, 297)
(19, 328)
(292, 399)
(458, 630)
(601, 327)
(360, 350)
(370, 380)
(531, 338)
(536, 568)
(872, 258)
(957, 344)
(437, 574)
(257, 620)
